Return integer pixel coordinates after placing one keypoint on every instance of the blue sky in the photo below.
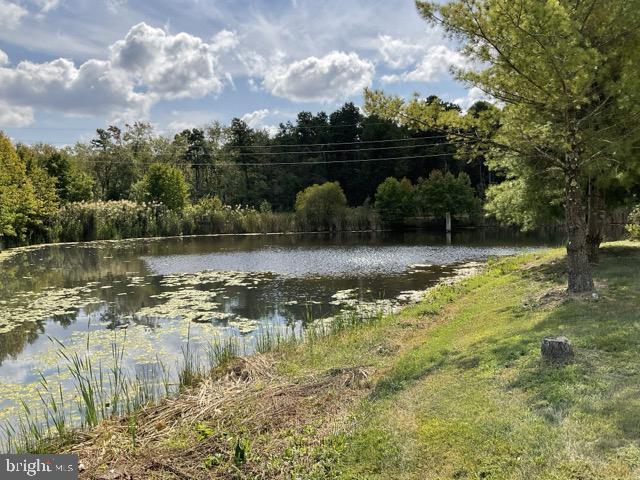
(70, 66)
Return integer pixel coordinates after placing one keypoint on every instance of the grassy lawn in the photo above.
(473, 399)
(450, 388)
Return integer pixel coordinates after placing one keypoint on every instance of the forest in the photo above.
(57, 192)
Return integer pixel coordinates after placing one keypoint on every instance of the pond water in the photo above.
(151, 296)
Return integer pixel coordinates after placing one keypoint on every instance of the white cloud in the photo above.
(223, 41)
(435, 63)
(336, 75)
(172, 66)
(11, 116)
(11, 15)
(398, 53)
(93, 88)
(147, 66)
(254, 119)
(473, 95)
(178, 126)
(272, 130)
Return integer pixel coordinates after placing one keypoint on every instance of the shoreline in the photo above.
(355, 404)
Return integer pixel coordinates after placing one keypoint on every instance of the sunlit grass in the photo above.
(473, 399)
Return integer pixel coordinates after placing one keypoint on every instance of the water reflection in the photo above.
(154, 292)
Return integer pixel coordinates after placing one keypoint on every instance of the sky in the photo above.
(68, 67)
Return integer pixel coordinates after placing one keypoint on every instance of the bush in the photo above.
(394, 201)
(321, 207)
(633, 224)
(444, 193)
(164, 184)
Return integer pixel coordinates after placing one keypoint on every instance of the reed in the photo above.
(221, 351)
(120, 219)
(111, 391)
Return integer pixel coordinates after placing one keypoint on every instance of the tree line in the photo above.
(239, 166)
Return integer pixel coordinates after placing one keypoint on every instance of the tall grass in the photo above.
(112, 391)
(115, 220)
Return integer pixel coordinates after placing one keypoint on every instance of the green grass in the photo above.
(472, 399)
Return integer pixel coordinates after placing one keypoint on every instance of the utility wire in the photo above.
(312, 162)
(275, 145)
(302, 145)
(308, 152)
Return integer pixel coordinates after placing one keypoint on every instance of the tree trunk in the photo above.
(579, 270)
(448, 222)
(595, 222)
(556, 349)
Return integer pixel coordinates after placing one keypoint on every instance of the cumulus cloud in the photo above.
(172, 66)
(434, 64)
(148, 65)
(473, 95)
(336, 75)
(11, 14)
(15, 116)
(254, 119)
(398, 53)
(93, 88)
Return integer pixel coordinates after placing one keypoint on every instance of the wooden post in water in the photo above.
(448, 227)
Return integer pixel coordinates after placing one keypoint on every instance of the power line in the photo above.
(313, 162)
(307, 152)
(301, 145)
(339, 143)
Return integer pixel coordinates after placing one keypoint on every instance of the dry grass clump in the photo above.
(235, 424)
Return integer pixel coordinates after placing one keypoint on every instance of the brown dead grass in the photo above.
(248, 400)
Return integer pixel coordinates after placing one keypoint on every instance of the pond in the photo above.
(152, 296)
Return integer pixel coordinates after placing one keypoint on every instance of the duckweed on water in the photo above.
(33, 307)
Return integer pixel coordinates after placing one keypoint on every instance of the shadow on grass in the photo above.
(602, 384)
(413, 366)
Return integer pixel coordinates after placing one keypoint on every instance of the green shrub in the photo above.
(164, 184)
(394, 201)
(444, 193)
(633, 223)
(321, 207)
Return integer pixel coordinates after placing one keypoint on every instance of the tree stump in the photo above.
(556, 349)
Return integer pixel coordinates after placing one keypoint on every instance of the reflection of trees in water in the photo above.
(63, 266)
(66, 319)
(14, 342)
